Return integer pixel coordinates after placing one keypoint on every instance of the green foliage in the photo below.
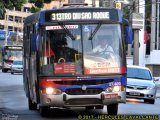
(38, 4)
(10, 4)
(2, 9)
(32, 1)
(126, 13)
(13, 38)
(148, 9)
(47, 1)
(35, 9)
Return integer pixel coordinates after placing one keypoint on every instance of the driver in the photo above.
(103, 47)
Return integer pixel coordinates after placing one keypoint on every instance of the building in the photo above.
(55, 4)
(13, 21)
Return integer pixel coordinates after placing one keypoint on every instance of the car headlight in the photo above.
(151, 87)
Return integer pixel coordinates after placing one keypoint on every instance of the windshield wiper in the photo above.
(94, 32)
(66, 31)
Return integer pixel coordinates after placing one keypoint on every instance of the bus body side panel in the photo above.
(33, 78)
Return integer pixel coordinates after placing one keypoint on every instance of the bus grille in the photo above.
(83, 92)
(84, 82)
(83, 101)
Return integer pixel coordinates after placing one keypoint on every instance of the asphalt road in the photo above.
(13, 104)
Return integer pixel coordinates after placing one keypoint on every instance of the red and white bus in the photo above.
(9, 54)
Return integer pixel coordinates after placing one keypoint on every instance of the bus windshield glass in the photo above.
(81, 49)
(12, 54)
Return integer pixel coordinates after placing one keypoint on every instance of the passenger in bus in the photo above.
(9, 57)
(65, 52)
(104, 47)
(49, 53)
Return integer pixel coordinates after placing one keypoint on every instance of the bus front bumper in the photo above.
(65, 100)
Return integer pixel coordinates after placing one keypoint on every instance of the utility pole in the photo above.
(153, 25)
(6, 35)
(136, 37)
(142, 48)
(158, 2)
(93, 3)
(17, 31)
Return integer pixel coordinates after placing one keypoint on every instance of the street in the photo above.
(13, 103)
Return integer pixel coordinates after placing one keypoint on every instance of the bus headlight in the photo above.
(116, 88)
(113, 89)
(53, 91)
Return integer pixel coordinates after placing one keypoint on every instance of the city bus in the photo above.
(60, 68)
(9, 54)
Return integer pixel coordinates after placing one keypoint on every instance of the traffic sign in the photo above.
(124, 1)
(137, 20)
(118, 5)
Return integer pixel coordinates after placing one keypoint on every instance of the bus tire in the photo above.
(31, 106)
(99, 107)
(152, 101)
(44, 111)
(112, 109)
(4, 70)
(89, 107)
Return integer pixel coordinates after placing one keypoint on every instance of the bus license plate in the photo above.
(110, 96)
(134, 93)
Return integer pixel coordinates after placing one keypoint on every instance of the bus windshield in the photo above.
(11, 54)
(81, 49)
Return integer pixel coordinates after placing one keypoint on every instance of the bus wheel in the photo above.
(32, 106)
(89, 107)
(99, 107)
(44, 111)
(112, 109)
(4, 70)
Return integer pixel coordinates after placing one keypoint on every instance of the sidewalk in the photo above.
(158, 94)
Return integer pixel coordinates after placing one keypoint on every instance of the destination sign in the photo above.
(80, 16)
(14, 47)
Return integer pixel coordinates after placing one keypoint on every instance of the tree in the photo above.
(38, 4)
(10, 4)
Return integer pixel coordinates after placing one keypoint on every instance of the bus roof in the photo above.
(75, 14)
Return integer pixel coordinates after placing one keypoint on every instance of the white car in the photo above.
(17, 67)
(140, 84)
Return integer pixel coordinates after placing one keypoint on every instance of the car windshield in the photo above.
(17, 62)
(138, 73)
